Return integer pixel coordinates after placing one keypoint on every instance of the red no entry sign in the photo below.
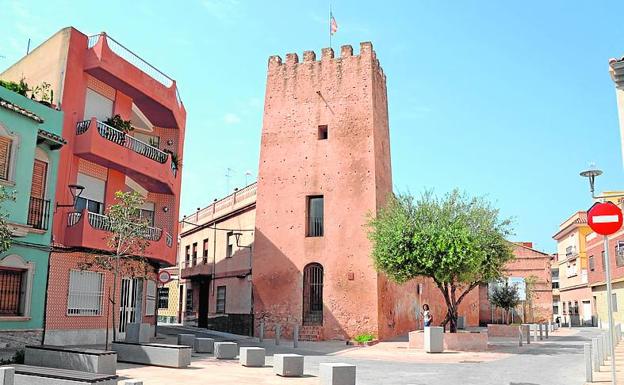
(604, 218)
(164, 277)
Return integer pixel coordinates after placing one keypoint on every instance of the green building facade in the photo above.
(30, 139)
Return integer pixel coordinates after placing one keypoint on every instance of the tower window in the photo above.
(322, 132)
(315, 216)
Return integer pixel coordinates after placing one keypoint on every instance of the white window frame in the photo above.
(90, 312)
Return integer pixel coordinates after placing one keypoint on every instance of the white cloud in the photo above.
(231, 118)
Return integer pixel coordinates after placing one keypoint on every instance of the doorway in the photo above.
(202, 310)
(313, 294)
(131, 303)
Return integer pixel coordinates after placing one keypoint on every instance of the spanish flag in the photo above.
(333, 26)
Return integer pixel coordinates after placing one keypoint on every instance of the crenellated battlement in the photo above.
(327, 54)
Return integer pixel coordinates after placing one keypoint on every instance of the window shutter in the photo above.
(5, 157)
(40, 171)
(150, 298)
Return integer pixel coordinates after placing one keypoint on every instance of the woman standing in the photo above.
(427, 317)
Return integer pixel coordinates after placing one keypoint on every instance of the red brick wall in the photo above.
(58, 290)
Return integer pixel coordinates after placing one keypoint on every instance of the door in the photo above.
(587, 313)
(130, 304)
(37, 209)
(313, 294)
(202, 310)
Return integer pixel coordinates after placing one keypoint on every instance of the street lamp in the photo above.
(75, 190)
(591, 175)
(237, 236)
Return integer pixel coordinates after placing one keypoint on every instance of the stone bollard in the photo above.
(261, 332)
(534, 330)
(204, 345)
(186, 339)
(588, 364)
(7, 376)
(337, 374)
(520, 336)
(596, 353)
(288, 365)
(546, 327)
(252, 357)
(278, 332)
(527, 331)
(132, 382)
(605, 347)
(225, 350)
(296, 336)
(434, 339)
(541, 336)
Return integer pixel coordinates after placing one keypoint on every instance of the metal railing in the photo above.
(121, 138)
(315, 226)
(102, 222)
(38, 213)
(131, 58)
(73, 218)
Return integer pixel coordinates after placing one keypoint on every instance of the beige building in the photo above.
(216, 245)
(169, 300)
(574, 294)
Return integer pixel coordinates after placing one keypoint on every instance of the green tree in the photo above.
(505, 297)
(5, 229)
(457, 241)
(128, 240)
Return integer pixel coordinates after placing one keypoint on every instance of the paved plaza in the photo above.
(558, 361)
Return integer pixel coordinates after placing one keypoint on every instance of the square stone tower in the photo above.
(324, 168)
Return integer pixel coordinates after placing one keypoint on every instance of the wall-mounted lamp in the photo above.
(75, 190)
(169, 142)
(166, 209)
(237, 236)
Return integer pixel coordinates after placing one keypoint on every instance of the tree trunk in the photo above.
(114, 299)
(452, 303)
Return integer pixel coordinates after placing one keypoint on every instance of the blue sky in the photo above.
(505, 99)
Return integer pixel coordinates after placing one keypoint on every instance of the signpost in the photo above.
(163, 278)
(605, 219)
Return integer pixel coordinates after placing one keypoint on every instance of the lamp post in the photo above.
(591, 175)
(75, 190)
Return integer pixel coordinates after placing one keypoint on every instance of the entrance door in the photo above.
(313, 294)
(587, 313)
(131, 302)
(202, 310)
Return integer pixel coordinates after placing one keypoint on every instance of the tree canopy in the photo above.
(457, 240)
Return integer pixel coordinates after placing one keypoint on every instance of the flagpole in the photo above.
(330, 26)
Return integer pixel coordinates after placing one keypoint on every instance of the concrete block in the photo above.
(132, 382)
(288, 365)
(204, 345)
(225, 350)
(174, 356)
(337, 374)
(252, 356)
(186, 339)
(7, 376)
(138, 333)
(434, 339)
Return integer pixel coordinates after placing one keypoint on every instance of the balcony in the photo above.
(91, 230)
(38, 213)
(105, 145)
(155, 93)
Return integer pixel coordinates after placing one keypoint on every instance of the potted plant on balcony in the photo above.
(43, 94)
(20, 87)
(175, 161)
(118, 123)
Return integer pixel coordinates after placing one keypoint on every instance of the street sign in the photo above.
(604, 218)
(164, 277)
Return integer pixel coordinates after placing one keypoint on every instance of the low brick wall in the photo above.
(495, 330)
(476, 342)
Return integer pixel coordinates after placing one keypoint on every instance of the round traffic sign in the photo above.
(604, 218)
(164, 276)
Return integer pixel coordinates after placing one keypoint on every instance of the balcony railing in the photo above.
(102, 222)
(135, 60)
(121, 138)
(38, 213)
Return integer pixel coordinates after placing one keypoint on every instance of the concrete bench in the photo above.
(225, 350)
(337, 374)
(288, 365)
(186, 339)
(84, 360)
(37, 375)
(252, 356)
(173, 356)
(204, 345)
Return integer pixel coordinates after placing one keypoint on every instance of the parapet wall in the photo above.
(327, 55)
